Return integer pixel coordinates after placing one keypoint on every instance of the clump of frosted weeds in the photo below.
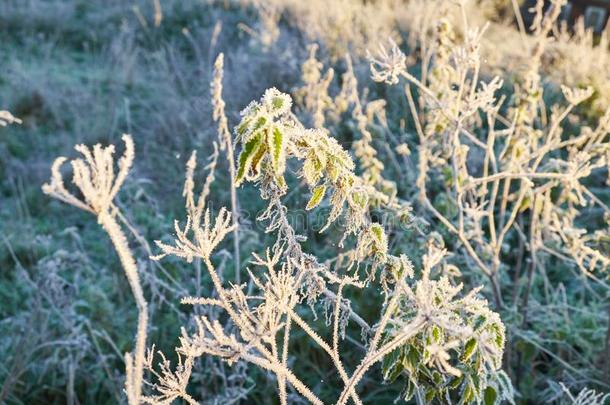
(424, 314)
(521, 172)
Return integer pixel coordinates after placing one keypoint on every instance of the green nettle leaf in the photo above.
(395, 372)
(259, 154)
(317, 196)
(246, 156)
(360, 199)
(467, 395)
(277, 102)
(490, 396)
(469, 349)
(411, 360)
(259, 124)
(332, 170)
(378, 233)
(243, 127)
(311, 171)
(409, 390)
(456, 382)
(277, 144)
(436, 334)
(499, 334)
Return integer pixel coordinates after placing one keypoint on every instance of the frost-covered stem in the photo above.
(508, 175)
(282, 380)
(227, 306)
(423, 197)
(374, 356)
(134, 364)
(336, 319)
(471, 252)
(504, 202)
(442, 109)
(384, 320)
(532, 267)
(226, 139)
(607, 351)
(334, 355)
(234, 213)
(353, 315)
(278, 369)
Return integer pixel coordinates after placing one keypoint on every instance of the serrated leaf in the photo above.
(378, 234)
(360, 199)
(259, 153)
(467, 394)
(246, 156)
(316, 197)
(394, 372)
(390, 362)
(436, 334)
(277, 146)
(259, 124)
(311, 170)
(241, 129)
(469, 349)
(409, 390)
(411, 360)
(456, 382)
(498, 330)
(277, 102)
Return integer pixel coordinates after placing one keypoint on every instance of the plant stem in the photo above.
(135, 365)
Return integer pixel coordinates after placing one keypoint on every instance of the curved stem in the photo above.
(135, 365)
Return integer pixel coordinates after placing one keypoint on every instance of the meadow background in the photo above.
(88, 71)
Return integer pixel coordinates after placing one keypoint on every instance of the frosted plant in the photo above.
(94, 176)
(388, 67)
(259, 325)
(585, 397)
(514, 187)
(270, 135)
(459, 346)
(314, 96)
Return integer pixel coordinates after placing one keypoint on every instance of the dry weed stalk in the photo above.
(226, 144)
(96, 180)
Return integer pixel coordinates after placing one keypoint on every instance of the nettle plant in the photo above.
(443, 345)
